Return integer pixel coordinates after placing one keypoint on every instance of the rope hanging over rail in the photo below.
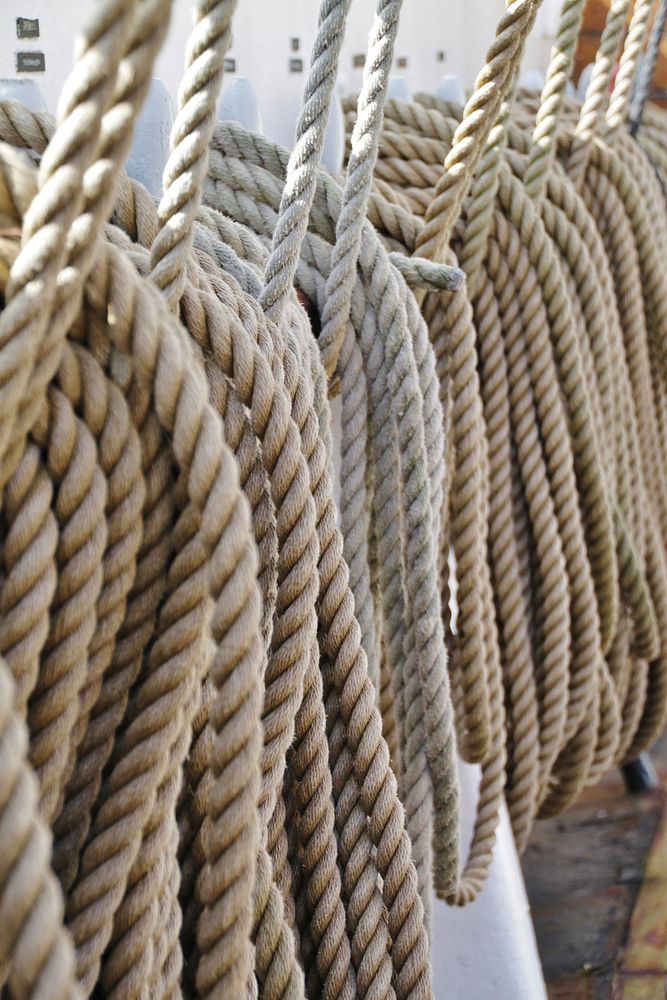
(231, 713)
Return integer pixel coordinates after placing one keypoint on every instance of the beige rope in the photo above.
(407, 153)
(161, 740)
(190, 670)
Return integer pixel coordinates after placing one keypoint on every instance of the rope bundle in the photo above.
(566, 345)
(230, 723)
(203, 737)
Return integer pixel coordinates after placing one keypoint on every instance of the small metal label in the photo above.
(27, 27)
(440, 55)
(358, 60)
(295, 44)
(402, 62)
(230, 65)
(296, 65)
(30, 62)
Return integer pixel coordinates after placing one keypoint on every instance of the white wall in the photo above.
(462, 29)
(58, 22)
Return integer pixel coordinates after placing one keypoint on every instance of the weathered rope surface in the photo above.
(191, 702)
(409, 165)
(231, 714)
(647, 67)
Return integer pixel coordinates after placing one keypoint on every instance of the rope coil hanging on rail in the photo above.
(230, 726)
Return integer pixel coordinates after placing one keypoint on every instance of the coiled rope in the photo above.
(228, 763)
(334, 904)
(550, 759)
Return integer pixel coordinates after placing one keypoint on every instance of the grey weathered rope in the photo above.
(647, 68)
(356, 191)
(617, 112)
(305, 158)
(428, 275)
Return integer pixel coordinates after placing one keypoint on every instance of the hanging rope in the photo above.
(230, 764)
(124, 936)
(408, 164)
(646, 70)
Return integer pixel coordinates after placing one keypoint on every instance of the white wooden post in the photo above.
(238, 103)
(451, 89)
(24, 90)
(150, 146)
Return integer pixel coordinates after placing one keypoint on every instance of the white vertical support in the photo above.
(451, 89)
(150, 146)
(584, 80)
(238, 103)
(487, 949)
(24, 90)
(398, 88)
(333, 151)
(532, 79)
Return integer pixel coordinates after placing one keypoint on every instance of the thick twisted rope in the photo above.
(479, 116)
(201, 719)
(597, 93)
(302, 172)
(583, 757)
(553, 95)
(62, 197)
(619, 103)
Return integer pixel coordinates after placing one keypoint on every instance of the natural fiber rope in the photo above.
(597, 93)
(619, 103)
(409, 962)
(646, 636)
(560, 68)
(191, 710)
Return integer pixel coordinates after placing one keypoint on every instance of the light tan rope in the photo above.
(406, 155)
(190, 672)
(152, 948)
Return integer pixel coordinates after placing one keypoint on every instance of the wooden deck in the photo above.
(597, 882)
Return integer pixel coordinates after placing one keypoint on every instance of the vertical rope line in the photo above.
(358, 180)
(301, 177)
(618, 106)
(479, 116)
(597, 92)
(543, 147)
(190, 137)
(647, 69)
